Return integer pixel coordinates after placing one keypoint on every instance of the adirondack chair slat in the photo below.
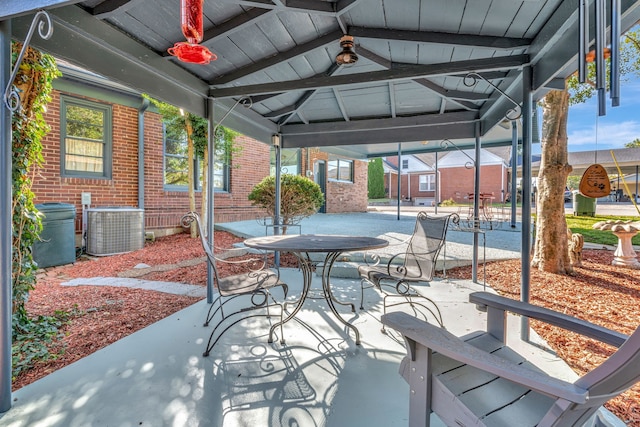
(477, 380)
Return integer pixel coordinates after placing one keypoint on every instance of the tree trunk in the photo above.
(551, 251)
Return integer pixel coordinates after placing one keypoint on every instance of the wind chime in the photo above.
(595, 180)
(192, 22)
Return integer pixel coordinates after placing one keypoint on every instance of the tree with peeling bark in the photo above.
(551, 248)
(551, 251)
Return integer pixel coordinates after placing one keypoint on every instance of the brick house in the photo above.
(417, 180)
(455, 175)
(95, 147)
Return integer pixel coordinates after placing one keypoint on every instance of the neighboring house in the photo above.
(457, 173)
(417, 180)
(95, 149)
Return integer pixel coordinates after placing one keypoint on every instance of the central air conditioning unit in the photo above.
(114, 230)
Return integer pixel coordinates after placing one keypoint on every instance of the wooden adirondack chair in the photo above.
(476, 380)
(256, 283)
(418, 266)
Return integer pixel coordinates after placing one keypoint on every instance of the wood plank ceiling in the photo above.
(409, 85)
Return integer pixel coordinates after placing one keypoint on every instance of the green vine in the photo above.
(34, 84)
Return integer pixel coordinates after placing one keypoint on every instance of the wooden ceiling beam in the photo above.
(397, 72)
(107, 8)
(278, 58)
(490, 42)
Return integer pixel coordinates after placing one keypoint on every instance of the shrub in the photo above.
(299, 197)
(376, 179)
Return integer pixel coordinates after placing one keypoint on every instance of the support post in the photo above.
(5, 222)
(211, 146)
(437, 184)
(399, 178)
(514, 171)
(527, 110)
(476, 205)
(276, 141)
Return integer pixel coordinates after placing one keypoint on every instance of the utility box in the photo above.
(58, 240)
(583, 205)
(114, 230)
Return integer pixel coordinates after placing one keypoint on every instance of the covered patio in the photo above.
(158, 377)
(427, 72)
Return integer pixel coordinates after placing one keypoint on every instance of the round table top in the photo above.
(315, 243)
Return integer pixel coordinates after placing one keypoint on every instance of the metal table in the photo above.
(301, 246)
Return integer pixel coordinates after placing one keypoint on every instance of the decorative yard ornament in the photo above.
(595, 182)
(192, 23)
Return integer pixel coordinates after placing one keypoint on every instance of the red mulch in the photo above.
(598, 291)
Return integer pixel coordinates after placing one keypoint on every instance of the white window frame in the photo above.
(427, 183)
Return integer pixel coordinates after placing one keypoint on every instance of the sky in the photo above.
(619, 126)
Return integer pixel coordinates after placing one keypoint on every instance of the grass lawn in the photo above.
(584, 226)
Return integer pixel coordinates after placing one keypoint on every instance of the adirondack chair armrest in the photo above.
(417, 332)
(497, 307)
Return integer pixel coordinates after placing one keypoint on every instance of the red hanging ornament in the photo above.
(191, 18)
(192, 23)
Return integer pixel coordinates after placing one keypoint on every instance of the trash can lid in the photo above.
(54, 210)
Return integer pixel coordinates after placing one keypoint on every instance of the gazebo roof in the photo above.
(408, 85)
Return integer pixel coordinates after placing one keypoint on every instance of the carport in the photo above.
(427, 71)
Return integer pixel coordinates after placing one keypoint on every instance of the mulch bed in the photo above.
(598, 292)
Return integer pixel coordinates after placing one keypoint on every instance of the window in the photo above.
(340, 170)
(427, 182)
(86, 138)
(176, 171)
(220, 170)
(289, 161)
(175, 160)
(405, 164)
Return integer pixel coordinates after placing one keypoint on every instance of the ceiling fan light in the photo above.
(347, 56)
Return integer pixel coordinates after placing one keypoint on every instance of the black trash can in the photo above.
(58, 245)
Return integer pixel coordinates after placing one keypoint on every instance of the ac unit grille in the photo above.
(114, 230)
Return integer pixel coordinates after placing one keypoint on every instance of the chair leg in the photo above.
(362, 288)
(212, 315)
(211, 342)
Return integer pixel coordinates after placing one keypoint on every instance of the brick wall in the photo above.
(163, 209)
(120, 190)
(458, 182)
(342, 196)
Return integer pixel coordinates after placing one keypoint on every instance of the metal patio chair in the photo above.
(256, 283)
(418, 265)
(476, 380)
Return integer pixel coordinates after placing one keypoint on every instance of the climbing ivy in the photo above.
(34, 84)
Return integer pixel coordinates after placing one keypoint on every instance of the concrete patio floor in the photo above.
(320, 378)
(158, 377)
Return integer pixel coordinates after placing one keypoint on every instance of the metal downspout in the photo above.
(527, 107)
(5, 222)
(143, 107)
